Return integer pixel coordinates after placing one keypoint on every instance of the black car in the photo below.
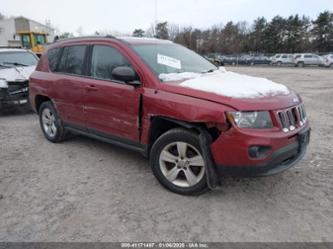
(260, 60)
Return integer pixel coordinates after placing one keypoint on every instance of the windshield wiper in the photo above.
(16, 64)
(209, 71)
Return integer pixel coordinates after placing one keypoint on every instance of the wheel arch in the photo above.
(39, 99)
(206, 136)
(160, 125)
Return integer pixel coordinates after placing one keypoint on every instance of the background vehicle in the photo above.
(260, 60)
(16, 65)
(166, 102)
(36, 41)
(307, 60)
(282, 59)
(327, 60)
(216, 60)
(244, 60)
(230, 60)
(25, 33)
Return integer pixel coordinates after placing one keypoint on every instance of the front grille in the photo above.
(292, 118)
(14, 91)
(16, 86)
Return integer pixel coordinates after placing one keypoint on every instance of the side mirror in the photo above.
(126, 74)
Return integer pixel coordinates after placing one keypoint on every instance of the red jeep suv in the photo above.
(193, 121)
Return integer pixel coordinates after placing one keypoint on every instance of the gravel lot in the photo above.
(85, 190)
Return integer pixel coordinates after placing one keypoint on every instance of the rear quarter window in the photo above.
(53, 56)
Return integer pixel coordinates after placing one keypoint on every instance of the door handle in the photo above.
(91, 88)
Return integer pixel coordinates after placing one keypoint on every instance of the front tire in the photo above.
(50, 123)
(177, 162)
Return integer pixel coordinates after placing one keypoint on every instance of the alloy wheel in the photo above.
(182, 164)
(49, 122)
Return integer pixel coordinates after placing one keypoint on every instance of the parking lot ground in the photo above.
(85, 190)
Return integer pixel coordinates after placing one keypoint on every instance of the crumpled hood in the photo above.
(240, 92)
(16, 73)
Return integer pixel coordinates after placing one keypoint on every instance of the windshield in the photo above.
(172, 58)
(12, 59)
(39, 39)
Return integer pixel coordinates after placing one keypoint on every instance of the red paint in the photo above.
(113, 108)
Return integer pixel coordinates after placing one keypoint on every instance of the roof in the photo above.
(4, 50)
(40, 24)
(126, 39)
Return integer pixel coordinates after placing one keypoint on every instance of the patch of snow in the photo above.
(228, 84)
(178, 76)
(184, 75)
(16, 73)
(222, 69)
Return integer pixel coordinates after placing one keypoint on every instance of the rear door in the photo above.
(67, 92)
(111, 107)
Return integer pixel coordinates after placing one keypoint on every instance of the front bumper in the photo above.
(16, 98)
(233, 158)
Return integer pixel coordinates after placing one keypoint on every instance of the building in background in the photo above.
(26, 33)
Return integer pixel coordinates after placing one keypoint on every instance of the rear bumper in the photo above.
(281, 158)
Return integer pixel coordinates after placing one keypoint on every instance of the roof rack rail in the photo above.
(86, 37)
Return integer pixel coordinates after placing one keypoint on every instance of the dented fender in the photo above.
(179, 107)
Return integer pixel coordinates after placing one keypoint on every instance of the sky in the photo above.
(126, 15)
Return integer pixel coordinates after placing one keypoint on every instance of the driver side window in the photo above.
(104, 59)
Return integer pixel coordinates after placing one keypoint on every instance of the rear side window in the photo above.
(53, 58)
(284, 56)
(72, 60)
(308, 56)
(104, 59)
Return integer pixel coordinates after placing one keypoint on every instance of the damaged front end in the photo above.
(13, 93)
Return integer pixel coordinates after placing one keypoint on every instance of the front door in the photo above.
(111, 107)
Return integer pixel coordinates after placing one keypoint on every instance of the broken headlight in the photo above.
(256, 119)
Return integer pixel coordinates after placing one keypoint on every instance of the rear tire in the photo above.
(300, 64)
(177, 162)
(50, 123)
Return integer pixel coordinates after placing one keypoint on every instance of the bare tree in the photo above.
(150, 32)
